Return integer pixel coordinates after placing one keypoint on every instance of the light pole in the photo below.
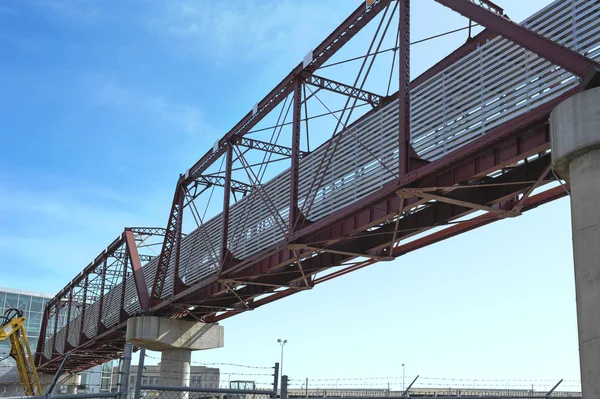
(403, 378)
(282, 342)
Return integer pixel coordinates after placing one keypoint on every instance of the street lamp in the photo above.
(282, 342)
(403, 378)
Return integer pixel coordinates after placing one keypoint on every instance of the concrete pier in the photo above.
(175, 339)
(72, 383)
(575, 131)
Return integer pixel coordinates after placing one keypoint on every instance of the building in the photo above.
(200, 377)
(32, 304)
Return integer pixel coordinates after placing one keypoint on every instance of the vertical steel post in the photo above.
(125, 370)
(125, 263)
(101, 299)
(139, 375)
(56, 317)
(172, 241)
(295, 167)
(83, 308)
(42, 337)
(68, 321)
(177, 246)
(404, 92)
(226, 200)
(284, 387)
(136, 269)
(275, 380)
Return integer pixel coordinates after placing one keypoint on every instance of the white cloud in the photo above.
(48, 235)
(80, 12)
(182, 117)
(4, 9)
(245, 30)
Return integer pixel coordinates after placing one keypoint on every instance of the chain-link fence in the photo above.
(150, 381)
(206, 381)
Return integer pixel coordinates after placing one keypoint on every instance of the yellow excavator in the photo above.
(12, 327)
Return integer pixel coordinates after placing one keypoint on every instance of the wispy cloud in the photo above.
(47, 235)
(5, 9)
(243, 30)
(186, 118)
(80, 12)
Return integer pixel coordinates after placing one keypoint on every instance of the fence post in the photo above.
(125, 370)
(275, 379)
(139, 375)
(284, 386)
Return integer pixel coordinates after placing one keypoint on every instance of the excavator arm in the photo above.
(12, 327)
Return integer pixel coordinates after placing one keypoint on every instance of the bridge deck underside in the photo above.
(481, 123)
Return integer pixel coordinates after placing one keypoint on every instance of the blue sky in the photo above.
(105, 103)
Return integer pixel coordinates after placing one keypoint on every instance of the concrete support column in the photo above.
(72, 383)
(176, 339)
(175, 367)
(575, 130)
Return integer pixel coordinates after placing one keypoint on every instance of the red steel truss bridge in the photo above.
(344, 163)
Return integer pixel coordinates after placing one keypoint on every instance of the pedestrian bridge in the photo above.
(478, 142)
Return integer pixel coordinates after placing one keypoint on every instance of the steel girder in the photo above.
(487, 16)
(344, 89)
(266, 147)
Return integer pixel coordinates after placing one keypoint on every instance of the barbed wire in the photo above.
(433, 384)
(433, 378)
(213, 364)
(146, 373)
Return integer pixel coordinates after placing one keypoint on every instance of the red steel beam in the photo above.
(124, 263)
(68, 320)
(295, 166)
(531, 203)
(404, 91)
(226, 199)
(455, 230)
(83, 310)
(39, 353)
(562, 56)
(136, 269)
(170, 243)
(344, 89)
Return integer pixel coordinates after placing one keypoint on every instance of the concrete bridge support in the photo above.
(72, 383)
(575, 130)
(175, 339)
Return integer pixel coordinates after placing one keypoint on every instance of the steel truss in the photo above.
(496, 173)
(118, 265)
